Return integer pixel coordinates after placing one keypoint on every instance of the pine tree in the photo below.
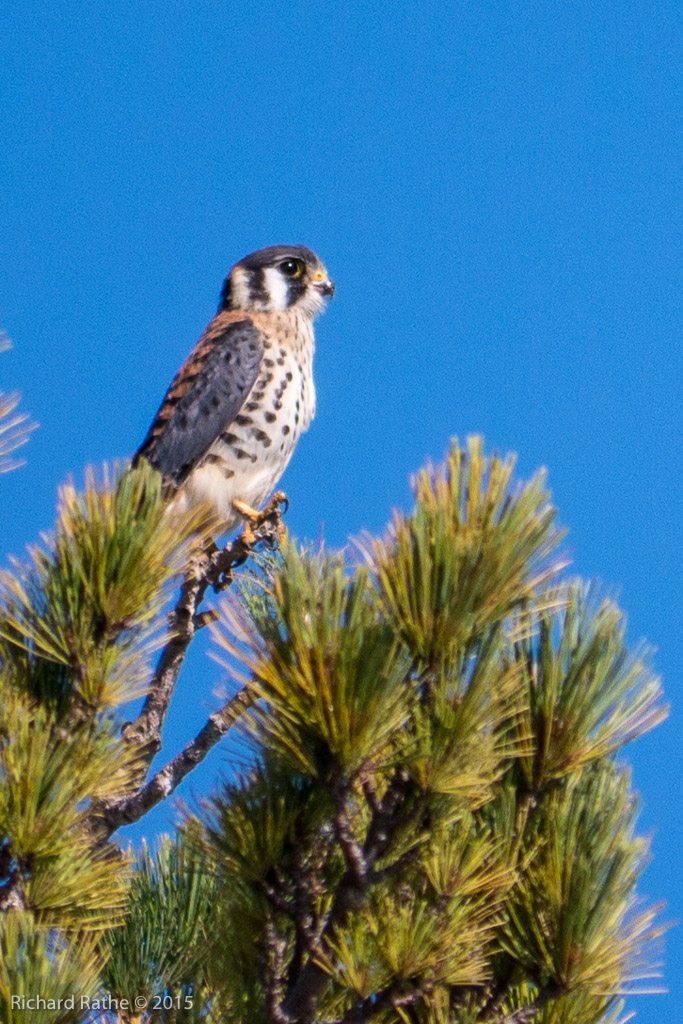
(431, 823)
(15, 427)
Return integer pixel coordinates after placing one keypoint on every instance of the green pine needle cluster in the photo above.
(435, 827)
(161, 947)
(15, 427)
(79, 619)
(432, 825)
(87, 600)
(37, 960)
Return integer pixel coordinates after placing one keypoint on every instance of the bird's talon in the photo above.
(247, 535)
(279, 498)
(254, 520)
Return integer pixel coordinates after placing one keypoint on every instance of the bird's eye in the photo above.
(293, 268)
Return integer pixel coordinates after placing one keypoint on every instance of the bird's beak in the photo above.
(325, 287)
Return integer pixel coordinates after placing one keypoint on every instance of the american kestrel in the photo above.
(235, 410)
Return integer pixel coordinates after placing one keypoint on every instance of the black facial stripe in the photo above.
(226, 295)
(296, 286)
(257, 286)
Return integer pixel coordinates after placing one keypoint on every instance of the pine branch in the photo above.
(12, 895)
(166, 781)
(211, 569)
(308, 923)
(527, 1014)
(356, 861)
(275, 947)
(351, 891)
(493, 1011)
(304, 991)
(392, 997)
(14, 427)
(379, 833)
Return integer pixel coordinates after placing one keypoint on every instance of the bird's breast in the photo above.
(246, 461)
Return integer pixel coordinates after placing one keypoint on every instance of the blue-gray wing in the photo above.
(206, 395)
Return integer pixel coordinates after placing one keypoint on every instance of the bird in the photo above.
(231, 418)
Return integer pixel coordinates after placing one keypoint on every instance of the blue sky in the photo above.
(496, 189)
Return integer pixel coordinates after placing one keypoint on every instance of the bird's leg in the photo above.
(215, 565)
(254, 518)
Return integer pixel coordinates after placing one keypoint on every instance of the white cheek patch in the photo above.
(277, 288)
(239, 287)
(312, 303)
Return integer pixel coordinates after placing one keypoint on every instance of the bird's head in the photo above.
(278, 278)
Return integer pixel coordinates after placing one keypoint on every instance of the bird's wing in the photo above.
(206, 395)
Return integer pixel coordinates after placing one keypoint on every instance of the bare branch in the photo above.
(213, 568)
(356, 861)
(380, 833)
(351, 891)
(131, 808)
(12, 895)
(370, 793)
(275, 947)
